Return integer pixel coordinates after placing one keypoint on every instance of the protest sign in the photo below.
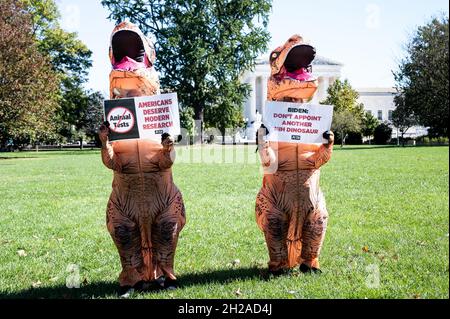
(297, 122)
(143, 117)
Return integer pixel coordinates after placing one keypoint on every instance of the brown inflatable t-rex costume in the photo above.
(145, 212)
(290, 207)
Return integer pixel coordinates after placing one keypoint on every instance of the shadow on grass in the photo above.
(110, 289)
(376, 147)
(18, 157)
(357, 148)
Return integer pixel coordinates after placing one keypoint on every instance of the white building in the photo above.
(378, 101)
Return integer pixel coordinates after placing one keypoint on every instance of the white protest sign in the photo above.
(297, 122)
(143, 117)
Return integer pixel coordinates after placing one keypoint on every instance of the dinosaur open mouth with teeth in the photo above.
(291, 77)
(132, 56)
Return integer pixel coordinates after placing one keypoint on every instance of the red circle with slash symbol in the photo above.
(121, 120)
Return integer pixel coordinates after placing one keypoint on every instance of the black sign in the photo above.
(121, 115)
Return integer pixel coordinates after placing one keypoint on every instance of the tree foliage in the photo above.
(368, 125)
(344, 121)
(28, 84)
(203, 47)
(423, 77)
(93, 115)
(348, 113)
(226, 113)
(70, 58)
(403, 116)
(382, 134)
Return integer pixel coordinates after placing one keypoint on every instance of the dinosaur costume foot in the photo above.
(125, 290)
(141, 286)
(170, 284)
(144, 286)
(308, 270)
(278, 273)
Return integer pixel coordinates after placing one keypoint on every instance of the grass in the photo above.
(389, 215)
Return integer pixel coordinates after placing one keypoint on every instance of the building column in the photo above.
(324, 85)
(251, 102)
(265, 78)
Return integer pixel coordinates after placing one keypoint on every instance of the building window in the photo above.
(390, 115)
(380, 115)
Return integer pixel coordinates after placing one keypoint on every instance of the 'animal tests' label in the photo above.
(296, 122)
(144, 117)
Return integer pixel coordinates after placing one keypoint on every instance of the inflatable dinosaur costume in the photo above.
(145, 212)
(290, 207)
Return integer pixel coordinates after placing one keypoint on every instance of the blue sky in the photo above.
(367, 36)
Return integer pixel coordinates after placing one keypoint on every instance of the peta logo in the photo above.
(121, 120)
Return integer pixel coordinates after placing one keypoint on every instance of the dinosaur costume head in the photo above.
(132, 56)
(291, 79)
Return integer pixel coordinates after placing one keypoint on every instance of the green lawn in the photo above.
(388, 207)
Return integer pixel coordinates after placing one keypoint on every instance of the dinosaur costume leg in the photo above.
(146, 241)
(165, 231)
(275, 225)
(127, 237)
(314, 229)
(291, 212)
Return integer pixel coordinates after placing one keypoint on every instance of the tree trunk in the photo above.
(342, 139)
(222, 131)
(81, 143)
(198, 117)
(403, 140)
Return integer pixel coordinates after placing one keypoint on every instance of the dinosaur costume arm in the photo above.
(167, 153)
(267, 155)
(110, 159)
(322, 155)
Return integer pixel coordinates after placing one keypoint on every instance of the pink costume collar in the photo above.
(300, 75)
(128, 64)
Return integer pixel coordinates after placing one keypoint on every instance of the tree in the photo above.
(203, 47)
(92, 117)
(70, 58)
(28, 85)
(348, 113)
(369, 124)
(382, 134)
(344, 122)
(403, 116)
(227, 113)
(423, 77)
